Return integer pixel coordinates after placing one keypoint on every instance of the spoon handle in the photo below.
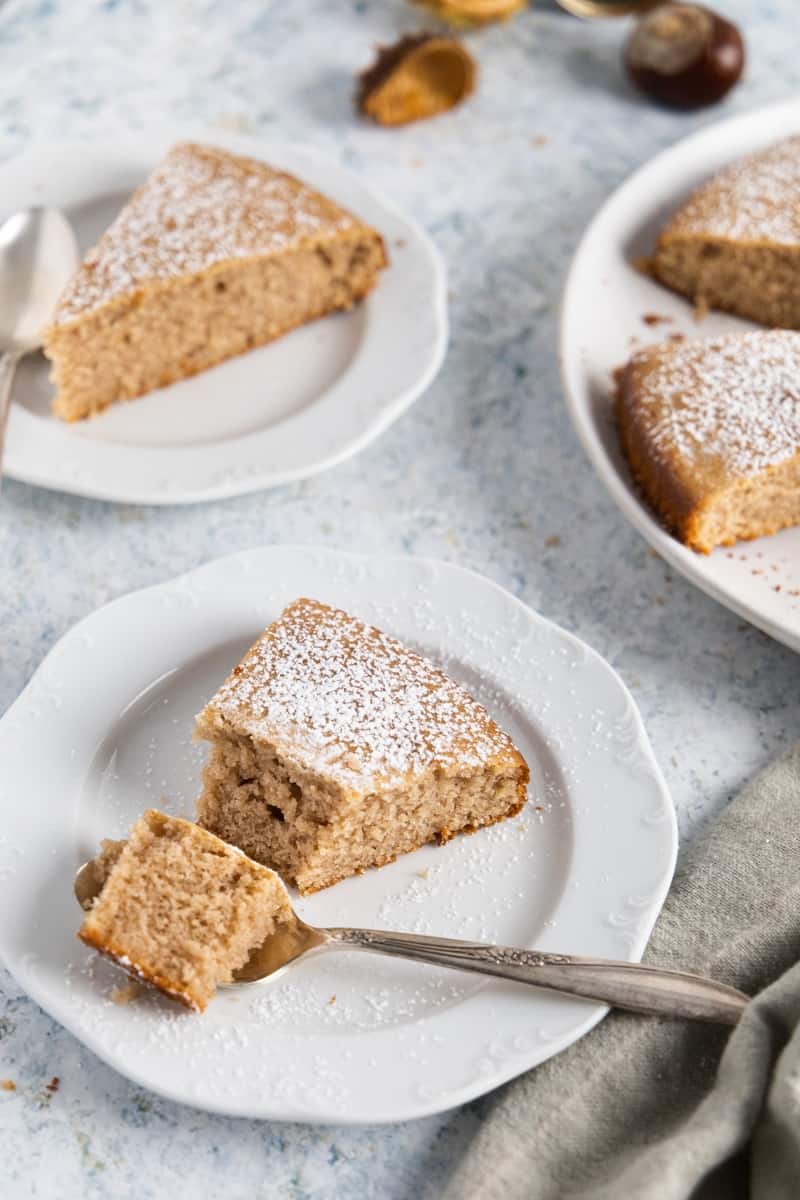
(626, 985)
(8, 367)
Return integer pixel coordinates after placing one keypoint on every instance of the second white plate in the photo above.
(285, 411)
(610, 309)
(104, 730)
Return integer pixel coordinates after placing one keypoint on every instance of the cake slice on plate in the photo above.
(711, 430)
(335, 748)
(213, 255)
(735, 243)
(179, 909)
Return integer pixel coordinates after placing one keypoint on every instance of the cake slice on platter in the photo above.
(711, 431)
(735, 243)
(213, 255)
(335, 748)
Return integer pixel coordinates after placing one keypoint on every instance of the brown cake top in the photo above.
(727, 406)
(756, 199)
(352, 703)
(199, 207)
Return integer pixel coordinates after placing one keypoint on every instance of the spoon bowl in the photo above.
(631, 986)
(38, 257)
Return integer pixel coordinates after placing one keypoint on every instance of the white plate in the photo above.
(605, 301)
(282, 412)
(104, 729)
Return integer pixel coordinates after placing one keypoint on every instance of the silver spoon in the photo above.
(621, 984)
(38, 256)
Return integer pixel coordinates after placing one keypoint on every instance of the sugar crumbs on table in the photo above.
(8, 1085)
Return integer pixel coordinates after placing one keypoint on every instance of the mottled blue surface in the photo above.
(484, 471)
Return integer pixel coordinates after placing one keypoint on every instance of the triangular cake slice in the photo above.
(711, 430)
(335, 748)
(214, 254)
(735, 243)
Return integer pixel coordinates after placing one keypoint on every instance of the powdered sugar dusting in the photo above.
(346, 699)
(735, 399)
(755, 199)
(201, 206)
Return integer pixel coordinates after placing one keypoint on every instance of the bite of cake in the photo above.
(334, 748)
(711, 431)
(179, 909)
(735, 243)
(213, 255)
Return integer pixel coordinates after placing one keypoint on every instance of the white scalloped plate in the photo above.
(279, 413)
(605, 301)
(104, 730)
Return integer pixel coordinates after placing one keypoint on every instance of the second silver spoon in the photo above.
(38, 256)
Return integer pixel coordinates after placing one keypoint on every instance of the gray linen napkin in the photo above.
(654, 1109)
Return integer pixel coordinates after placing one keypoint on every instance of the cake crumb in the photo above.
(677, 337)
(332, 999)
(423, 874)
(700, 311)
(8, 1085)
(53, 1086)
(541, 139)
(644, 265)
(126, 993)
(651, 318)
(553, 540)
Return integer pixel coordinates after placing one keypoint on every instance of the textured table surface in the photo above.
(483, 471)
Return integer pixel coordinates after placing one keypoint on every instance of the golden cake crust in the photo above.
(706, 424)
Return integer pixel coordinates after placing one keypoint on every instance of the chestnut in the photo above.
(684, 55)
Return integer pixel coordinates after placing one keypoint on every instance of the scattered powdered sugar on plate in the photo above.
(347, 699)
(755, 199)
(201, 206)
(733, 398)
